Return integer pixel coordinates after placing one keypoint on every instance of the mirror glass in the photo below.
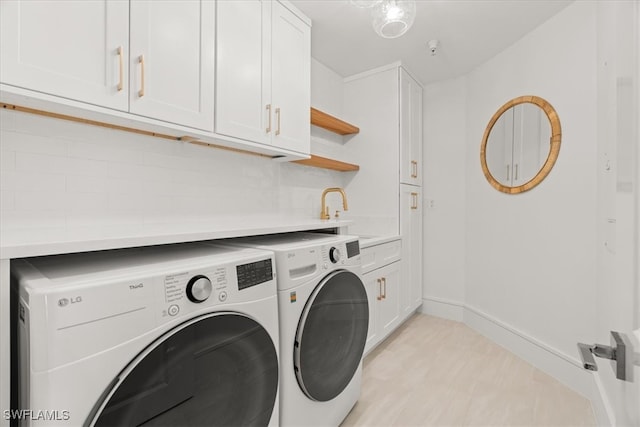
(521, 144)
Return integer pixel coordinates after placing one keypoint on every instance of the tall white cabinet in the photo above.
(411, 189)
(385, 196)
(263, 74)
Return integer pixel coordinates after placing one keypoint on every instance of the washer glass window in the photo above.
(217, 370)
(331, 336)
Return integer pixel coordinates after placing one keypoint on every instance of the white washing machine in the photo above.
(178, 335)
(324, 317)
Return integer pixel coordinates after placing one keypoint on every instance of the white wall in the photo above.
(444, 157)
(527, 262)
(57, 174)
(531, 258)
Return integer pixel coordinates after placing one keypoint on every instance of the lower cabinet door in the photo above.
(383, 293)
(389, 307)
(371, 284)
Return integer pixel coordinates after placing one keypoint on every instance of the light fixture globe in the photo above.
(365, 3)
(393, 18)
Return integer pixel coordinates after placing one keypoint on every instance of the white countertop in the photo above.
(21, 243)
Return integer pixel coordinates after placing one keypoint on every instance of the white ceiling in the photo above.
(470, 32)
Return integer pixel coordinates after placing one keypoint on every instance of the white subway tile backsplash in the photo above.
(32, 181)
(78, 202)
(7, 161)
(133, 202)
(28, 143)
(7, 200)
(41, 200)
(105, 150)
(56, 173)
(87, 167)
(38, 218)
(87, 184)
(30, 162)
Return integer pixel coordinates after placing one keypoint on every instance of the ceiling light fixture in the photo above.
(393, 18)
(365, 3)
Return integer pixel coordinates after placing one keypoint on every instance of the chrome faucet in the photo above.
(324, 212)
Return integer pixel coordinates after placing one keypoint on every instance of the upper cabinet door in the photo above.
(72, 49)
(172, 61)
(291, 80)
(410, 130)
(243, 70)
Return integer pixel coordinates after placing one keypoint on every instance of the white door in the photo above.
(618, 298)
(80, 54)
(291, 80)
(243, 70)
(172, 61)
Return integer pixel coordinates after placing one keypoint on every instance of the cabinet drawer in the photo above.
(380, 255)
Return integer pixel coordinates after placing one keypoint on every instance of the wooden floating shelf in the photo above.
(325, 163)
(333, 124)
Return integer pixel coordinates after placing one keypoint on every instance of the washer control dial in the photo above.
(334, 255)
(199, 289)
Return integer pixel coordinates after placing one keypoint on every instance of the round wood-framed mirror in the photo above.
(520, 144)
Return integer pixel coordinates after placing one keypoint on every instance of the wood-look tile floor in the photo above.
(437, 372)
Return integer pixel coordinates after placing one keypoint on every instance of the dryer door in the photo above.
(331, 335)
(216, 370)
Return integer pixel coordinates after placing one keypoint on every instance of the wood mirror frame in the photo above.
(554, 149)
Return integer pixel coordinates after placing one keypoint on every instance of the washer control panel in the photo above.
(192, 289)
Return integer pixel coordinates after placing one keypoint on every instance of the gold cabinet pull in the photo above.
(141, 91)
(269, 120)
(384, 287)
(379, 298)
(414, 200)
(278, 121)
(414, 169)
(120, 68)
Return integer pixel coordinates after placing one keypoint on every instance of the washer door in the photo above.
(331, 335)
(216, 370)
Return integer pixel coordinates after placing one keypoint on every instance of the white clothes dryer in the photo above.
(179, 335)
(324, 317)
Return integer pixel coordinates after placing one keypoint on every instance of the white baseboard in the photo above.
(565, 368)
(444, 308)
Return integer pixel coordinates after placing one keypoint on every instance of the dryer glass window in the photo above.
(331, 336)
(219, 370)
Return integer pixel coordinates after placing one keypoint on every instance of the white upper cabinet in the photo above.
(410, 130)
(243, 72)
(72, 49)
(263, 72)
(291, 80)
(172, 61)
(231, 73)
